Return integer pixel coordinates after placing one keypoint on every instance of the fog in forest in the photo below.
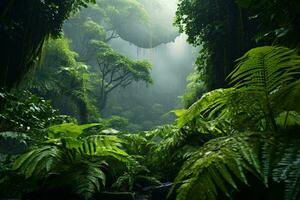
(155, 40)
(149, 100)
(172, 62)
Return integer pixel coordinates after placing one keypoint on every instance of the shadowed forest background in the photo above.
(150, 99)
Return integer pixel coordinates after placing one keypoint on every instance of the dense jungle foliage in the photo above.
(98, 99)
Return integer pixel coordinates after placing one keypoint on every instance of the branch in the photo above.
(122, 81)
(126, 84)
(112, 36)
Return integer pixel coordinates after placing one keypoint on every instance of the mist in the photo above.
(139, 30)
(171, 63)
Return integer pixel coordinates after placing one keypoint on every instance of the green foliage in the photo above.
(194, 89)
(265, 69)
(68, 129)
(222, 32)
(142, 23)
(115, 70)
(24, 112)
(71, 160)
(261, 80)
(254, 104)
(12, 185)
(274, 24)
(117, 122)
(23, 119)
(61, 78)
(139, 22)
(13, 142)
(227, 162)
(227, 29)
(135, 174)
(21, 43)
(162, 150)
(138, 70)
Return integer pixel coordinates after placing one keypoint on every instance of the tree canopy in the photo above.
(117, 70)
(144, 24)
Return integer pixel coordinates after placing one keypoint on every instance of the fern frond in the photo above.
(217, 165)
(107, 145)
(71, 161)
(38, 162)
(83, 177)
(68, 130)
(265, 69)
(209, 101)
(287, 98)
(224, 163)
(286, 166)
(269, 72)
(224, 111)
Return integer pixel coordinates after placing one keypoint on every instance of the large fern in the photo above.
(266, 83)
(267, 70)
(225, 163)
(74, 161)
(222, 112)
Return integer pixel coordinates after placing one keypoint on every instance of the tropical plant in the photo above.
(71, 161)
(268, 152)
(61, 78)
(21, 111)
(227, 164)
(135, 178)
(261, 81)
(268, 71)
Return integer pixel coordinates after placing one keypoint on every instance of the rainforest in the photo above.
(149, 100)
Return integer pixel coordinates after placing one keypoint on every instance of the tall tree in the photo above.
(221, 28)
(227, 29)
(116, 70)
